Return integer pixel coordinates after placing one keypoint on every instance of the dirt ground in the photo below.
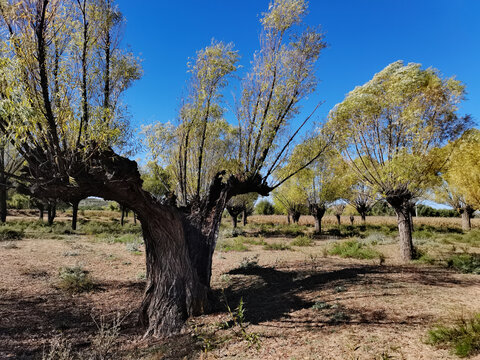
(299, 304)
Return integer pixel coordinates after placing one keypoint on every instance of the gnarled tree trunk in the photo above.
(317, 211)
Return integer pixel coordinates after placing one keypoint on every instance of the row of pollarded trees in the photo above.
(62, 76)
(392, 134)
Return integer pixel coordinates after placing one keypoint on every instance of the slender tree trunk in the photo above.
(41, 210)
(338, 219)
(405, 233)
(244, 217)
(3, 187)
(288, 219)
(122, 219)
(317, 212)
(234, 221)
(295, 217)
(135, 218)
(51, 213)
(466, 223)
(352, 219)
(74, 214)
(364, 218)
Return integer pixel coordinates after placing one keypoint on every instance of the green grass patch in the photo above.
(353, 249)
(463, 337)
(8, 233)
(235, 244)
(277, 246)
(302, 241)
(75, 280)
(465, 263)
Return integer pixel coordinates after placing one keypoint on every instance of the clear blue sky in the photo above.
(363, 37)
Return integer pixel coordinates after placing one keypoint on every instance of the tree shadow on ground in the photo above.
(271, 294)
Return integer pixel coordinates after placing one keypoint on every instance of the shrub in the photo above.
(302, 241)
(276, 246)
(60, 349)
(463, 337)
(466, 263)
(75, 280)
(353, 249)
(11, 233)
(264, 207)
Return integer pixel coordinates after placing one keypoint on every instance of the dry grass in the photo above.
(330, 220)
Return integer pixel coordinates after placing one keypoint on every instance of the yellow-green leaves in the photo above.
(283, 14)
(396, 123)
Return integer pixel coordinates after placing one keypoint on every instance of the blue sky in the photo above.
(363, 37)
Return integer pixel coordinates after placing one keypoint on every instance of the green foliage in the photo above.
(381, 208)
(277, 246)
(302, 241)
(466, 263)
(396, 123)
(235, 244)
(428, 211)
(264, 207)
(8, 232)
(353, 249)
(19, 201)
(463, 337)
(75, 280)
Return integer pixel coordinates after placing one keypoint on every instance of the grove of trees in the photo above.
(63, 72)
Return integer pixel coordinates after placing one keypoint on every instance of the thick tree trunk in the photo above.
(288, 219)
(3, 187)
(295, 215)
(405, 233)
(74, 214)
(466, 216)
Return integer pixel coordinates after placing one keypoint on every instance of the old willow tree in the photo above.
(65, 78)
(394, 125)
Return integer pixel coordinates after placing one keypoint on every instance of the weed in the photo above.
(353, 249)
(60, 349)
(463, 337)
(10, 245)
(302, 241)
(141, 276)
(466, 263)
(106, 339)
(249, 263)
(75, 280)
(277, 246)
(134, 247)
(321, 305)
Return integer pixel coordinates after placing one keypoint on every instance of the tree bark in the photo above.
(3, 187)
(295, 215)
(405, 233)
(364, 217)
(245, 216)
(467, 213)
(51, 213)
(338, 219)
(74, 214)
(41, 210)
(234, 221)
(317, 211)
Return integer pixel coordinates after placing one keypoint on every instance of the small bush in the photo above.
(276, 246)
(249, 263)
(463, 337)
(321, 305)
(134, 247)
(10, 233)
(75, 280)
(60, 349)
(353, 249)
(302, 241)
(235, 244)
(466, 263)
